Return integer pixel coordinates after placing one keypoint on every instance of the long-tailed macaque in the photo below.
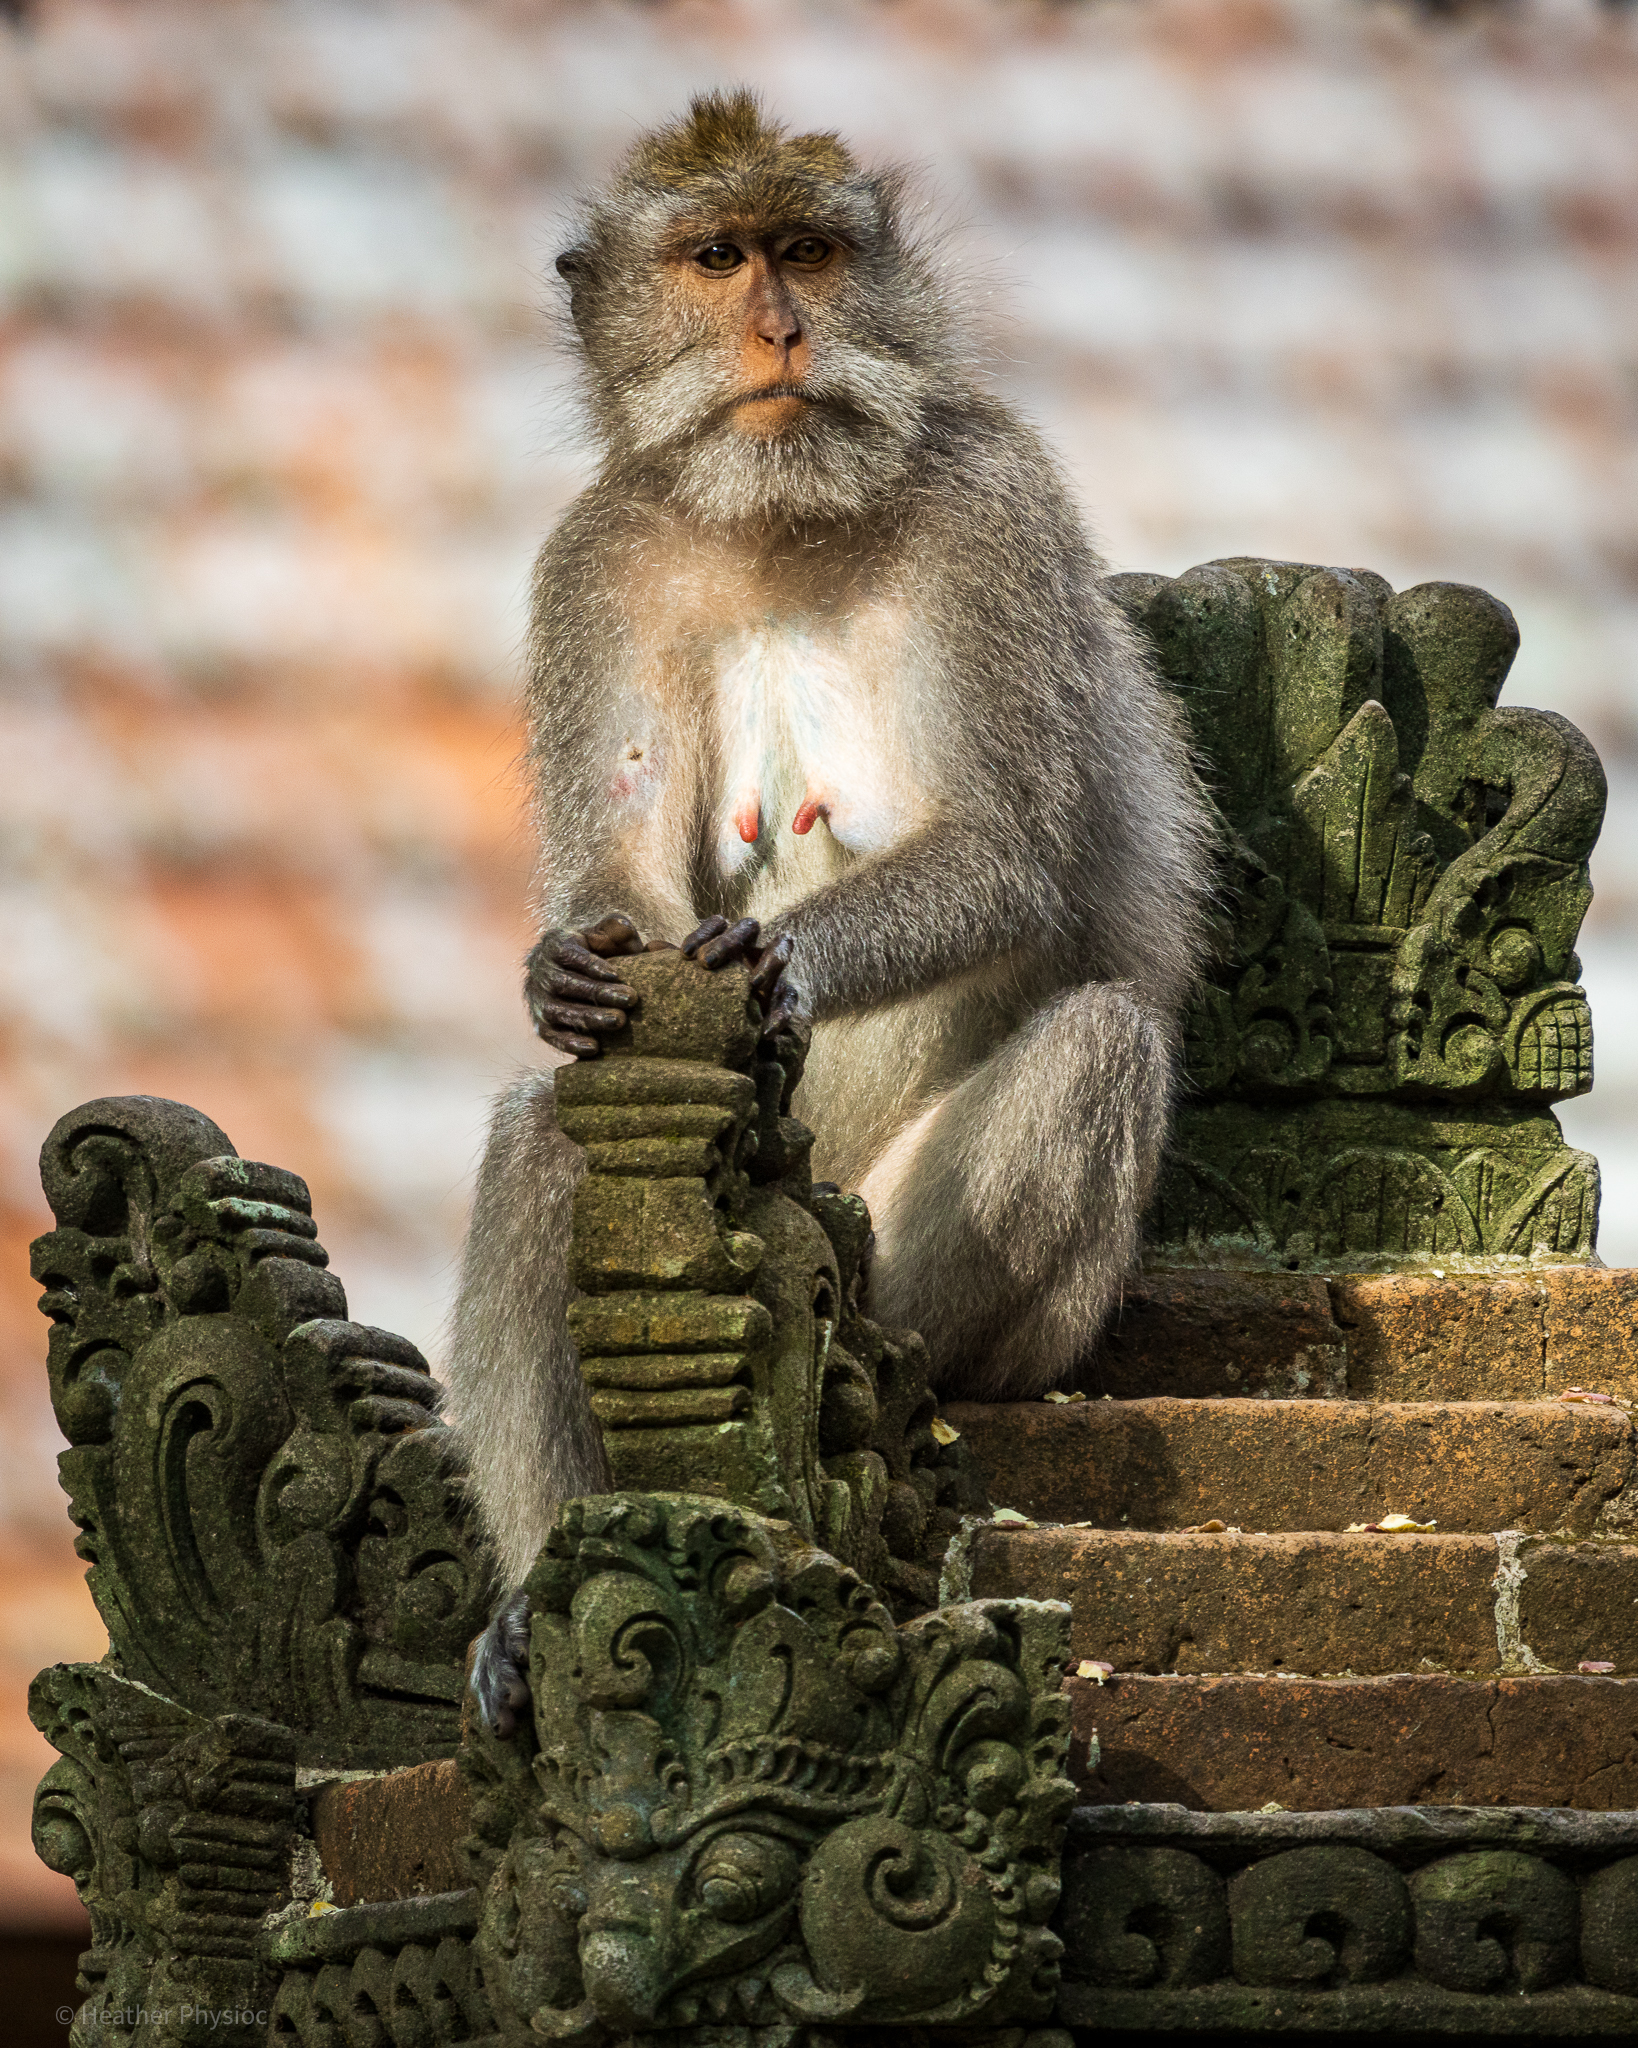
(824, 678)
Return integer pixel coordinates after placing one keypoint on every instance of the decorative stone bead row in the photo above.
(1482, 1920)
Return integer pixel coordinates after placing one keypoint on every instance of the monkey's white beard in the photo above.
(837, 460)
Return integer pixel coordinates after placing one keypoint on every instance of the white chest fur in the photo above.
(806, 738)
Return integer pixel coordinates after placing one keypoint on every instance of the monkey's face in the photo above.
(762, 297)
(760, 361)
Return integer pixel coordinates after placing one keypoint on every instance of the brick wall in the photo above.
(280, 425)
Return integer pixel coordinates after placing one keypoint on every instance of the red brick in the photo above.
(1285, 1465)
(1234, 1744)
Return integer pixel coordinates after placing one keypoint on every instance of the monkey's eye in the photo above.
(809, 251)
(721, 256)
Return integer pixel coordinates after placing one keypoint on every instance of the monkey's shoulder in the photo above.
(984, 485)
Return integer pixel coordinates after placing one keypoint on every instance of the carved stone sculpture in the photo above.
(766, 1785)
(271, 1516)
(719, 1326)
(1396, 1002)
(752, 1798)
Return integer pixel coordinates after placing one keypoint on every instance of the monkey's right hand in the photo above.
(500, 1667)
(716, 943)
(575, 997)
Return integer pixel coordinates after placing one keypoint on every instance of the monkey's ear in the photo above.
(573, 263)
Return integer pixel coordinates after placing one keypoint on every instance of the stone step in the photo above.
(1323, 1604)
(1518, 1334)
(1241, 1744)
(1567, 1467)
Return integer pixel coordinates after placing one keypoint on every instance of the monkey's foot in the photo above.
(500, 1667)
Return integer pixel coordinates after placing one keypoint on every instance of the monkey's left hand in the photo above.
(717, 943)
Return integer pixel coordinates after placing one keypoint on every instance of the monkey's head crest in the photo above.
(727, 132)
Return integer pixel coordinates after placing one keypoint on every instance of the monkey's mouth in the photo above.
(773, 391)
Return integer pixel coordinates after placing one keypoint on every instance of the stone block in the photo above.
(1591, 1316)
(393, 1837)
(1309, 1602)
(1200, 1333)
(1466, 1337)
(1579, 1602)
(1295, 1465)
(1234, 1744)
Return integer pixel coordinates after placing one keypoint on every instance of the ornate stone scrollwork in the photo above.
(270, 1511)
(754, 1798)
(177, 1831)
(1404, 1921)
(1396, 1000)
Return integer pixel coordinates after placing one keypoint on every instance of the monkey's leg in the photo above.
(1008, 1212)
(519, 1402)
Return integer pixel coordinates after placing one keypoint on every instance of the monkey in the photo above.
(824, 677)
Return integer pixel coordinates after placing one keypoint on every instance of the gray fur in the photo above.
(996, 988)
(514, 1379)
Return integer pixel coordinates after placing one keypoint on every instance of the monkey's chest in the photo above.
(804, 753)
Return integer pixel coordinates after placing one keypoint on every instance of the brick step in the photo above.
(1488, 1335)
(1323, 1604)
(1240, 1744)
(1568, 1467)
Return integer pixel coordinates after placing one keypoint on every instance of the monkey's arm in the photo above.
(932, 907)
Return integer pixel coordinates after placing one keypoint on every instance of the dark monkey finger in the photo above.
(771, 966)
(581, 1017)
(565, 1041)
(733, 944)
(571, 954)
(615, 934)
(566, 949)
(558, 981)
(702, 932)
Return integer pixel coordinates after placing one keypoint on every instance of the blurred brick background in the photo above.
(281, 423)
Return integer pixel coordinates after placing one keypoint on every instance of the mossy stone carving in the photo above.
(1395, 1003)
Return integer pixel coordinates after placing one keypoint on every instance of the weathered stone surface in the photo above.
(383, 1925)
(1402, 1917)
(1591, 1319)
(1406, 2009)
(1394, 999)
(1304, 1465)
(401, 1972)
(1579, 1602)
(1412, 1337)
(720, 1325)
(1312, 1603)
(1235, 1743)
(1495, 1920)
(178, 1832)
(1280, 1904)
(272, 1515)
(1410, 1835)
(393, 1837)
(1144, 1916)
(1201, 1333)
(746, 1794)
(1516, 1335)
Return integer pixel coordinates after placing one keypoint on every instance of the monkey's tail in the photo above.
(518, 1401)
